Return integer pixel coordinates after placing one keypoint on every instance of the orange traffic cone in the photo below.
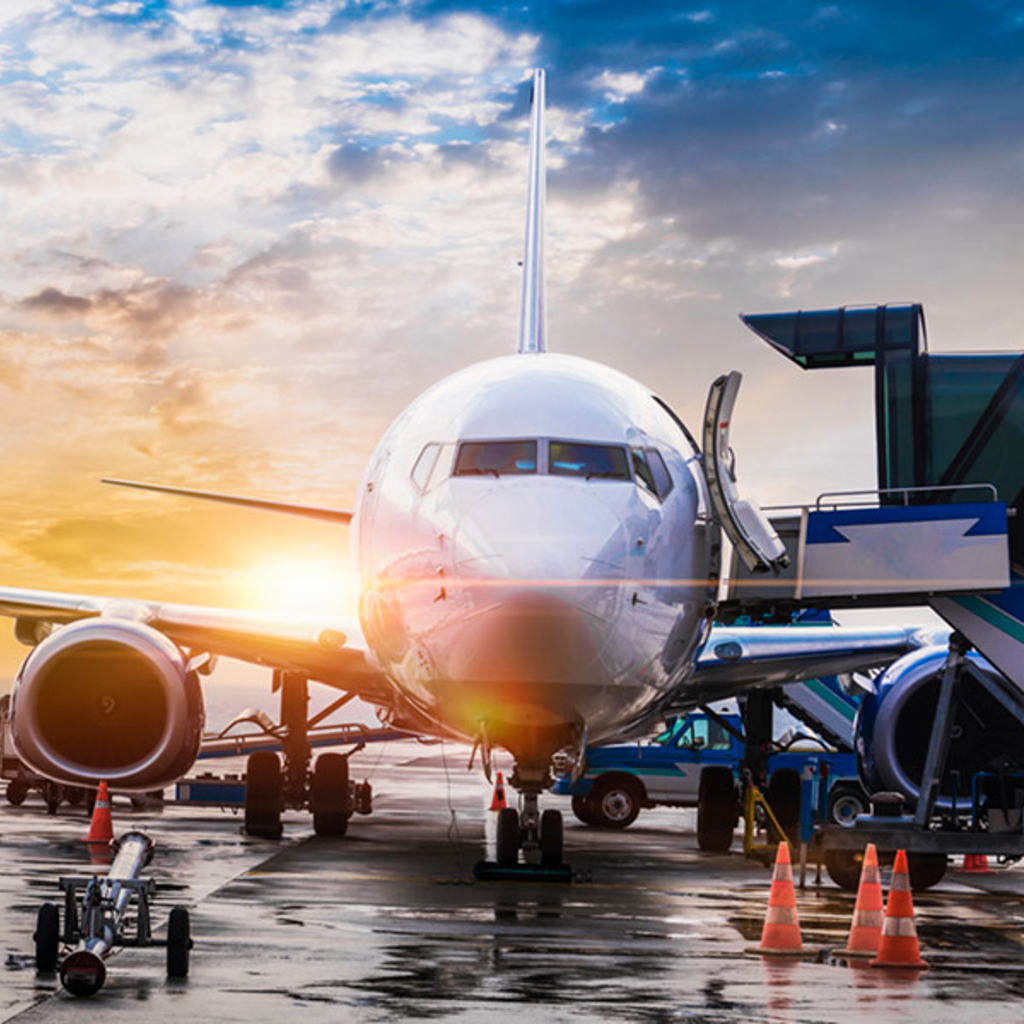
(102, 828)
(781, 935)
(498, 801)
(869, 913)
(975, 864)
(898, 945)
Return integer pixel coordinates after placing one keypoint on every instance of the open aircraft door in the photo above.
(751, 534)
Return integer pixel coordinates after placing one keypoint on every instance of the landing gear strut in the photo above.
(293, 781)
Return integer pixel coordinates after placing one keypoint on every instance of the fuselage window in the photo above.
(662, 477)
(496, 458)
(424, 466)
(600, 461)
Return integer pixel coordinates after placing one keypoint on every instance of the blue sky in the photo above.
(240, 237)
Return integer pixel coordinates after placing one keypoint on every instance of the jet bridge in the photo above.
(942, 527)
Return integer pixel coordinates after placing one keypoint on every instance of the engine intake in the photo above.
(111, 700)
(894, 728)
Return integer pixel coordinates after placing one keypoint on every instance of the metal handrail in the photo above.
(828, 496)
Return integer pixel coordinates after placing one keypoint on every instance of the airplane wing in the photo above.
(734, 659)
(330, 651)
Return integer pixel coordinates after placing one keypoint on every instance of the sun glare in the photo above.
(292, 586)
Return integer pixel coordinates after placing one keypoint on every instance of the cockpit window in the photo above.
(642, 471)
(601, 461)
(651, 472)
(496, 458)
(424, 466)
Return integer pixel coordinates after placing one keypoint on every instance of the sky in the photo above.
(240, 237)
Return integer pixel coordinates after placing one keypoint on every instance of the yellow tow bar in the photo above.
(756, 842)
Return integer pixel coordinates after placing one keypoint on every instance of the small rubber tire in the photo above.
(53, 796)
(179, 942)
(17, 790)
(47, 938)
(263, 795)
(329, 796)
(844, 867)
(846, 801)
(582, 809)
(717, 809)
(552, 833)
(507, 845)
(926, 870)
(615, 801)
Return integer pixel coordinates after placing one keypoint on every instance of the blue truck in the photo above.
(695, 763)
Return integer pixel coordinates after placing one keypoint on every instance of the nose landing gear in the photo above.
(538, 837)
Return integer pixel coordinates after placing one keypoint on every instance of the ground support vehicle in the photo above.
(697, 763)
(97, 918)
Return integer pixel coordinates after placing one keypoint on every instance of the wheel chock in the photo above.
(489, 871)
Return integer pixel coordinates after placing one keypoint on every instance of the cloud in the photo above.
(54, 302)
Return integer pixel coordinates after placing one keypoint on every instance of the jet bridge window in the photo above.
(496, 458)
(600, 461)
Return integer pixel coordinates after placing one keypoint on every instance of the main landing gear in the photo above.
(273, 782)
(537, 836)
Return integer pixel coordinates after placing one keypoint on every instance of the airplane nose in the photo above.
(541, 533)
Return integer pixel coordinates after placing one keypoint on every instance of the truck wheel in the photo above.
(784, 799)
(263, 798)
(846, 801)
(717, 810)
(843, 868)
(615, 801)
(926, 869)
(582, 809)
(329, 797)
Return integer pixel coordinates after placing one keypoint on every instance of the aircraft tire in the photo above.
(507, 845)
(329, 796)
(582, 809)
(179, 942)
(552, 833)
(615, 801)
(17, 790)
(47, 938)
(717, 810)
(263, 797)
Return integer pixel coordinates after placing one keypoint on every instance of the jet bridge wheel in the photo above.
(263, 795)
(329, 796)
(47, 937)
(551, 838)
(179, 942)
(507, 850)
(717, 810)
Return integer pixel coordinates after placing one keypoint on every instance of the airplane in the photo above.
(538, 540)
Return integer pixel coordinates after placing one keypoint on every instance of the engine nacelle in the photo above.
(894, 727)
(109, 700)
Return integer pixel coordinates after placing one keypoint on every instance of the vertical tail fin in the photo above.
(531, 307)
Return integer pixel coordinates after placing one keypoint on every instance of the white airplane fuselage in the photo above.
(555, 597)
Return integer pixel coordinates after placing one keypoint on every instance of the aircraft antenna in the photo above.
(531, 307)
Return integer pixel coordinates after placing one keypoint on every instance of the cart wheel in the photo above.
(179, 942)
(263, 798)
(17, 790)
(329, 796)
(47, 937)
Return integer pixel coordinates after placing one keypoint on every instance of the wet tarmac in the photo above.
(389, 924)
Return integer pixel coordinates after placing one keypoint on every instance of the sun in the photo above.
(303, 586)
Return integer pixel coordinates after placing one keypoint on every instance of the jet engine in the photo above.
(108, 699)
(894, 726)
